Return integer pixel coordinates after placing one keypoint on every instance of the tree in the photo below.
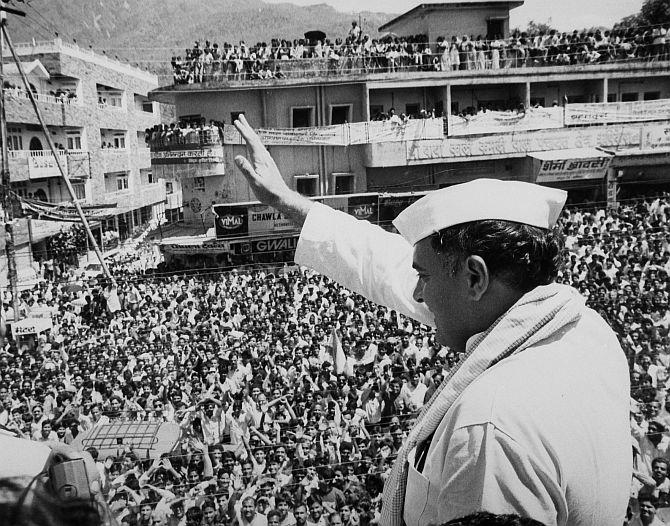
(652, 13)
(533, 28)
(539, 27)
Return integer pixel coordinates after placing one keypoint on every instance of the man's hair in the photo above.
(484, 518)
(522, 256)
(661, 460)
(273, 513)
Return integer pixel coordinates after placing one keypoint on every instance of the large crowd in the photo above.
(359, 53)
(277, 427)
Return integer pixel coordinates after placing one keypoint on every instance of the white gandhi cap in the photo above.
(515, 201)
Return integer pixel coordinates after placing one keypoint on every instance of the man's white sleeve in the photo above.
(363, 257)
(488, 470)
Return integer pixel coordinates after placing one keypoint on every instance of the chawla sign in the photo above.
(570, 165)
(254, 220)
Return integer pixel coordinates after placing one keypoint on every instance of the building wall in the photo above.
(218, 105)
(88, 117)
(447, 21)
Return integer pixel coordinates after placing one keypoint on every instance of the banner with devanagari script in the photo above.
(616, 112)
(506, 121)
(345, 134)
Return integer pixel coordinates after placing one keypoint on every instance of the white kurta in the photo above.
(544, 433)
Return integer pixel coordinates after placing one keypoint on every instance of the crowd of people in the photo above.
(359, 53)
(185, 132)
(278, 426)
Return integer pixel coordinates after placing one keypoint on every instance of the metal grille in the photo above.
(136, 435)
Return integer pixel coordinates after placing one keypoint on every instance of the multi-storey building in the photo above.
(606, 123)
(97, 111)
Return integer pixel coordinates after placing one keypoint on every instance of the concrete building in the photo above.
(609, 122)
(488, 18)
(97, 110)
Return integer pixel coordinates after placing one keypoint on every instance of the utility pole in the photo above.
(52, 147)
(8, 198)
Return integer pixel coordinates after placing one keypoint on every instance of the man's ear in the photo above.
(478, 277)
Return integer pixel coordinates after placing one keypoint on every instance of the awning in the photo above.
(570, 164)
(189, 245)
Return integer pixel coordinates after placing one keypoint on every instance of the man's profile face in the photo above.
(442, 293)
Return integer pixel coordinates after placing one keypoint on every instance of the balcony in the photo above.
(26, 165)
(115, 159)
(630, 138)
(199, 153)
(104, 106)
(56, 111)
(17, 93)
(315, 71)
(136, 197)
(143, 157)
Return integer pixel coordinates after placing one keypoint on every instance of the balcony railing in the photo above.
(475, 56)
(113, 149)
(176, 138)
(36, 164)
(17, 93)
(106, 106)
(25, 154)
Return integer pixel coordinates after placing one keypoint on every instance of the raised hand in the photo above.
(264, 177)
(260, 169)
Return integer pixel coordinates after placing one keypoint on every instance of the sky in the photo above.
(561, 13)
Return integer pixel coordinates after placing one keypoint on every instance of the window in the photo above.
(199, 183)
(234, 115)
(412, 109)
(307, 184)
(146, 176)
(119, 141)
(122, 182)
(628, 97)
(115, 99)
(169, 189)
(537, 101)
(344, 184)
(340, 114)
(611, 97)
(73, 141)
(148, 107)
(14, 139)
(652, 95)
(79, 190)
(302, 117)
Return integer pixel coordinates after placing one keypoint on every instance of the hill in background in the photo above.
(149, 32)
